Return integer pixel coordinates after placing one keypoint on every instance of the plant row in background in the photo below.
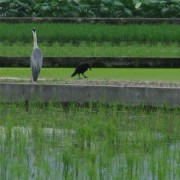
(90, 8)
(48, 32)
(92, 50)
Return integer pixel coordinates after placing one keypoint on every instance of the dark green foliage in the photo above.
(159, 8)
(16, 8)
(90, 8)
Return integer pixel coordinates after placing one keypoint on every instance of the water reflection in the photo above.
(47, 153)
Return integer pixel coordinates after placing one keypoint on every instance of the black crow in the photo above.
(81, 69)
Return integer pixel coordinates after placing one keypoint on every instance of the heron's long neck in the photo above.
(35, 40)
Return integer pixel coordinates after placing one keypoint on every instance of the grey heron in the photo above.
(36, 59)
(81, 69)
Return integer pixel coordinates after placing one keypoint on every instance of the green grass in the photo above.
(60, 32)
(93, 49)
(150, 74)
(88, 143)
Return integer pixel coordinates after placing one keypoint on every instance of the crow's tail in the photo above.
(74, 74)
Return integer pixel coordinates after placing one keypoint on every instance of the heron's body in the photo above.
(36, 58)
(81, 69)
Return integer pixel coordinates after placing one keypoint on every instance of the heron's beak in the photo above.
(33, 29)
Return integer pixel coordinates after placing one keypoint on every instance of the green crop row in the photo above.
(92, 50)
(75, 33)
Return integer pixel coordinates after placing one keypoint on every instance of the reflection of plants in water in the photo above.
(95, 142)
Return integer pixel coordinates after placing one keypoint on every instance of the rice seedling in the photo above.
(88, 142)
(48, 32)
(93, 50)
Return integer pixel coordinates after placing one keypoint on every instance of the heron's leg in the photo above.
(32, 81)
(79, 76)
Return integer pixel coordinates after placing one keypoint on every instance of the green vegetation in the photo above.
(93, 50)
(90, 8)
(149, 74)
(97, 142)
(91, 40)
(62, 33)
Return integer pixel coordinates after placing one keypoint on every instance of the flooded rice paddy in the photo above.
(95, 142)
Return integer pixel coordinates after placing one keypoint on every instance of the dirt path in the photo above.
(123, 83)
